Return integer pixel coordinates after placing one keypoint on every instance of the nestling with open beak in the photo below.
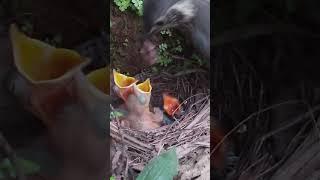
(49, 83)
(137, 103)
(123, 85)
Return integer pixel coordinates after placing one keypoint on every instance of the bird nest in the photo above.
(132, 149)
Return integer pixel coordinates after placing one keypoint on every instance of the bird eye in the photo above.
(159, 23)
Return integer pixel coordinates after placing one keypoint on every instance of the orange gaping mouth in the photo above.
(171, 104)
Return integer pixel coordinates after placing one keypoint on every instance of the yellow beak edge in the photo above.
(38, 61)
(100, 79)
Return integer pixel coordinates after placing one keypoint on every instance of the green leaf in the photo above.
(117, 113)
(178, 49)
(138, 6)
(27, 167)
(6, 169)
(163, 167)
(122, 4)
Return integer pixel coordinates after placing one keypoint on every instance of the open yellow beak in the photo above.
(143, 92)
(100, 79)
(38, 61)
(123, 81)
(145, 87)
(50, 79)
(124, 84)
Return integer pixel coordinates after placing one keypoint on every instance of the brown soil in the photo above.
(125, 30)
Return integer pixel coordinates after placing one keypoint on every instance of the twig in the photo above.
(199, 116)
(123, 143)
(189, 71)
(131, 139)
(292, 123)
(160, 143)
(289, 151)
(247, 119)
(178, 57)
(253, 165)
(185, 101)
(237, 79)
(314, 122)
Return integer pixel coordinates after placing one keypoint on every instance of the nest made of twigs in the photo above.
(189, 133)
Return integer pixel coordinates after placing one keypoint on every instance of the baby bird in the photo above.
(139, 115)
(137, 103)
(171, 105)
(73, 107)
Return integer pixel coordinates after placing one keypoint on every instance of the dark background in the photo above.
(264, 52)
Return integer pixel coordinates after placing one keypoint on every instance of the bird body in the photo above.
(200, 30)
(139, 116)
(192, 17)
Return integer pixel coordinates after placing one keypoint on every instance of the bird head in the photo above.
(159, 15)
(143, 92)
(123, 84)
(171, 104)
(166, 14)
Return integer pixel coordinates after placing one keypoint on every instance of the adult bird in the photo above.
(191, 17)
